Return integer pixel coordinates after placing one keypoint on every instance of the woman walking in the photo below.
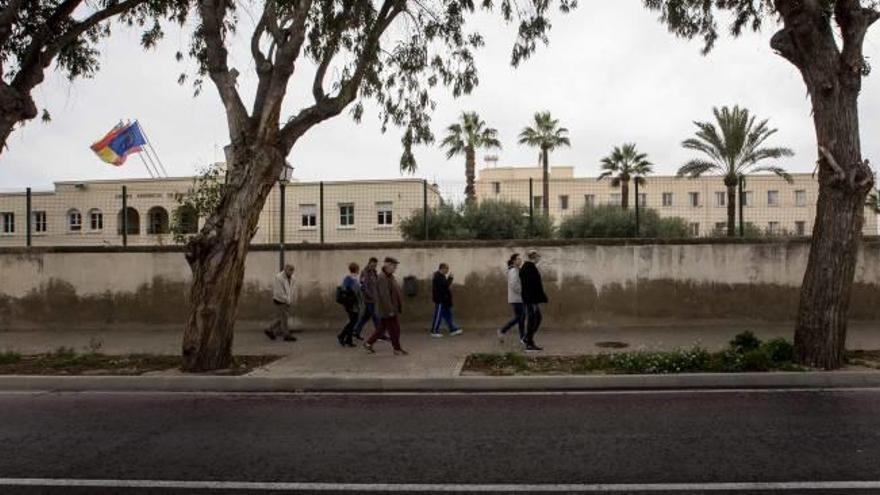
(351, 298)
(514, 298)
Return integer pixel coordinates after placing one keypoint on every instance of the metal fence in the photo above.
(145, 212)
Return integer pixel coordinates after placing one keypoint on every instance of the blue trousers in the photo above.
(369, 314)
(442, 314)
(519, 319)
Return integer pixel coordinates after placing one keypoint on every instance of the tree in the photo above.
(34, 34)
(546, 135)
(465, 137)
(394, 53)
(625, 163)
(733, 148)
(832, 72)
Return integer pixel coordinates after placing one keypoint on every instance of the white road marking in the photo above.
(794, 486)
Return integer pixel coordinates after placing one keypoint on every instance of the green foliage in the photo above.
(544, 133)
(199, 202)
(469, 133)
(692, 18)
(9, 357)
(779, 350)
(625, 163)
(491, 219)
(745, 342)
(614, 221)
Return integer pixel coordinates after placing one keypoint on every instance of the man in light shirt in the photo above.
(282, 299)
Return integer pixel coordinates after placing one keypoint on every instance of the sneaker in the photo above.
(533, 348)
(289, 338)
(456, 332)
(369, 348)
(500, 336)
(400, 352)
(437, 335)
(270, 334)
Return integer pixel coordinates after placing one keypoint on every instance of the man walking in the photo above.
(533, 296)
(368, 280)
(442, 297)
(282, 298)
(389, 304)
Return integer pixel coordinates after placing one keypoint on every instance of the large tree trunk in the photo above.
(730, 183)
(545, 157)
(217, 256)
(624, 194)
(14, 109)
(833, 79)
(470, 192)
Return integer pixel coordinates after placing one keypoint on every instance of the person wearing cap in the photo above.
(389, 304)
(533, 297)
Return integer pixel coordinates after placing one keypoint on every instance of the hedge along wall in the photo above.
(587, 281)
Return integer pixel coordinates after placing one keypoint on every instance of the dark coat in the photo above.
(532, 286)
(441, 293)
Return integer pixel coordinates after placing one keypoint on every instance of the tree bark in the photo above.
(545, 156)
(14, 109)
(470, 191)
(624, 194)
(730, 183)
(833, 79)
(217, 256)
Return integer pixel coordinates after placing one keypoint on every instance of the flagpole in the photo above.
(152, 148)
(146, 166)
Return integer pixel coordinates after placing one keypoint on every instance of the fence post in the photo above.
(29, 216)
(425, 207)
(321, 208)
(637, 205)
(124, 216)
(282, 207)
(531, 206)
(742, 225)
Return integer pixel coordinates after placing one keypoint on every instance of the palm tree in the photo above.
(465, 137)
(546, 135)
(625, 163)
(733, 149)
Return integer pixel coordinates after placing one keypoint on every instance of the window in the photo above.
(41, 225)
(563, 202)
(96, 219)
(8, 220)
(308, 215)
(800, 228)
(157, 219)
(538, 202)
(747, 198)
(589, 200)
(384, 210)
(615, 199)
(643, 199)
(800, 198)
(772, 228)
(132, 224)
(772, 198)
(694, 229)
(74, 221)
(346, 215)
(667, 199)
(496, 187)
(694, 199)
(720, 199)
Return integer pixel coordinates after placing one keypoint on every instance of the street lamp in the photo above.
(284, 178)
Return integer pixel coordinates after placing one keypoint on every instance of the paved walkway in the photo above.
(317, 354)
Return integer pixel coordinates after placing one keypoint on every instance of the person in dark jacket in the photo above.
(533, 297)
(389, 304)
(352, 303)
(368, 280)
(442, 297)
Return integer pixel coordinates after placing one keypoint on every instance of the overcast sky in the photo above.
(611, 74)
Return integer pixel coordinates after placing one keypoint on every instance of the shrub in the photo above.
(756, 360)
(444, 223)
(491, 219)
(9, 357)
(779, 350)
(614, 221)
(745, 342)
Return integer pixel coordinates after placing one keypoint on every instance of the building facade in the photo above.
(770, 203)
(91, 212)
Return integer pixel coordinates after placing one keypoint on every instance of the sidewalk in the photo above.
(317, 355)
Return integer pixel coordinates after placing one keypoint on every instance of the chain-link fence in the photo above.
(498, 206)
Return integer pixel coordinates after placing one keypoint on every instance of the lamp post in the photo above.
(283, 179)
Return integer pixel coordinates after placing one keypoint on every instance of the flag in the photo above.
(121, 141)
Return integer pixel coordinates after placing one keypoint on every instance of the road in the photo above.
(645, 442)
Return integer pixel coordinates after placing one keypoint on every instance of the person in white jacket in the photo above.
(514, 298)
(282, 299)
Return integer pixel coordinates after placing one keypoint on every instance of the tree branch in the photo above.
(81, 27)
(8, 16)
(854, 21)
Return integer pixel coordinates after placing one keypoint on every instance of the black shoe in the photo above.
(349, 344)
(270, 334)
(358, 336)
(384, 338)
(341, 340)
(533, 348)
(289, 338)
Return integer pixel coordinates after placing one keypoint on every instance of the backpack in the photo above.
(344, 296)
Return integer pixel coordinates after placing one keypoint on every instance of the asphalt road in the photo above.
(633, 442)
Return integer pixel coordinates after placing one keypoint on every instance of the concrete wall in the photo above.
(587, 282)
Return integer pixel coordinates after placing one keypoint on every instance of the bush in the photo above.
(779, 350)
(9, 357)
(444, 223)
(491, 219)
(614, 221)
(745, 342)
(756, 360)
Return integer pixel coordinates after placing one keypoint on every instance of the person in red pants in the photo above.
(389, 305)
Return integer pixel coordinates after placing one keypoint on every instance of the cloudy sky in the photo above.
(611, 74)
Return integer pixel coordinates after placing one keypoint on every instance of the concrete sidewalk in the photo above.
(317, 355)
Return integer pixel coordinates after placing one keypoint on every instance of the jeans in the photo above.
(348, 331)
(390, 325)
(369, 314)
(442, 313)
(534, 323)
(519, 319)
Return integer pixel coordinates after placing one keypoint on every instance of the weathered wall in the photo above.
(587, 281)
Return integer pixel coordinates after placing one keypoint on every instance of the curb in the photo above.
(696, 381)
